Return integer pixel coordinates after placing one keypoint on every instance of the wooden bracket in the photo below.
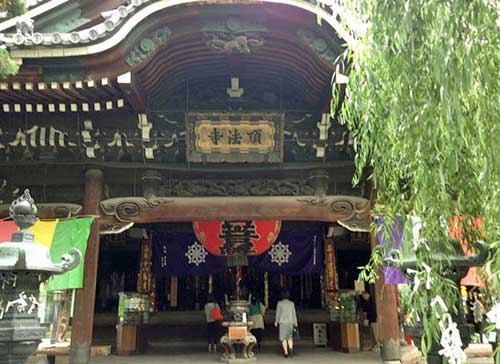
(132, 91)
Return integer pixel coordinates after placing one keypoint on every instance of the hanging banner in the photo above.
(179, 254)
(144, 275)
(392, 275)
(228, 238)
(332, 282)
(293, 253)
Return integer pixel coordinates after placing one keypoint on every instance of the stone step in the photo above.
(411, 355)
(483, 350)
(480, 360)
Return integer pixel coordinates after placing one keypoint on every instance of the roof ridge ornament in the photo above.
(25, 25)
(24, 30)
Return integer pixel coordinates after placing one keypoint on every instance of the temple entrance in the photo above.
(155, 114)
(181, 274)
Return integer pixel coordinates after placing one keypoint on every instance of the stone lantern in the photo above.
(457, 268)
(24, 264)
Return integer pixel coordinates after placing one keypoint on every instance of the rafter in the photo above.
(132, 91)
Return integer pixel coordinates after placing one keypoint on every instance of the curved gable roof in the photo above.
(114, 26)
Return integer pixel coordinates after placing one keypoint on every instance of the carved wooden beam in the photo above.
(349, 210)
(48, 211)
(114, 227)
(357, 211)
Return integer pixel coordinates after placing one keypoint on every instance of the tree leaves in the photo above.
(12, 8)
(7, 66)
(423, 103)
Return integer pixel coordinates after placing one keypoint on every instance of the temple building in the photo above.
(199, 135)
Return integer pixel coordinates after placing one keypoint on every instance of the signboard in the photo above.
(332, 283)
(228, 238)
(235, 137)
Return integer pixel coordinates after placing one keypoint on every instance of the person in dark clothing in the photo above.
(213, 323)
(369, 309)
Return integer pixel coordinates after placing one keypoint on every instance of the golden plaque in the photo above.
(226, 136)
(234, 137)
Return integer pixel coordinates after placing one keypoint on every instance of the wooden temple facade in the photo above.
(150, 111)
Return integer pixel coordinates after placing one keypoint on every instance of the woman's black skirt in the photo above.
(213, 331)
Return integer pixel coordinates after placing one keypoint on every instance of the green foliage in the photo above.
(12, 8)
(7, 67)
(423, 104)
(404, 292)
(368, 272)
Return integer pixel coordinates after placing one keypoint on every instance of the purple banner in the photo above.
(394, 241)
(179, 254)
(292, 253)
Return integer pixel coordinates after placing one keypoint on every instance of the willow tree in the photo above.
(9, 8)
(422, 103)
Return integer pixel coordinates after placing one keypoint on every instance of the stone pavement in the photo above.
(319, 356)
(269, 355)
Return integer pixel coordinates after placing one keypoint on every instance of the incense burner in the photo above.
(238, 333)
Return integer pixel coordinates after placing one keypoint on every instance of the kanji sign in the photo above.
(224, 136)
(237, 236)
(234, 137)
(229, 238)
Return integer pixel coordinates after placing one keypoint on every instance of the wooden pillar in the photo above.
(174, 290)
(83, 320)
(387, 315)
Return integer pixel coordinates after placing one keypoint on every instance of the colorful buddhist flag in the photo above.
(59, 236)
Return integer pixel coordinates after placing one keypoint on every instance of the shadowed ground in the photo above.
(182, 353)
